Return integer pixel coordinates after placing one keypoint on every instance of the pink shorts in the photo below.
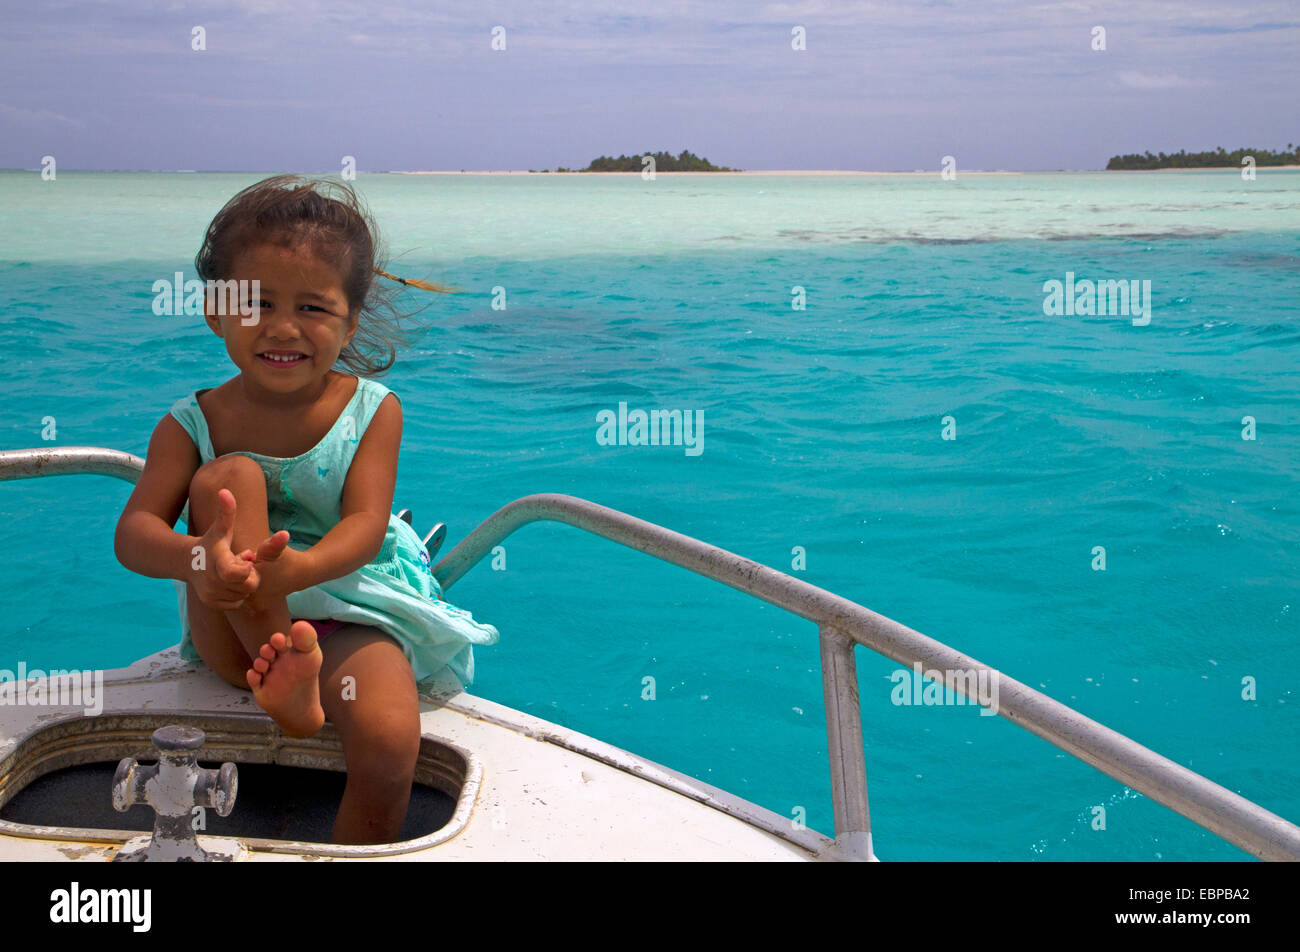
(323, 626)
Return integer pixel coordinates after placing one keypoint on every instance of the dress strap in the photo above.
(370, 394)
(187, 413)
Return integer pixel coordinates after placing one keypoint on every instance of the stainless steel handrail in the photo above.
(841, 624)
(70, 461)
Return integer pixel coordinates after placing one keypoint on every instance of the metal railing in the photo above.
(841, 624)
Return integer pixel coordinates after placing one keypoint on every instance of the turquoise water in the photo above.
(822, 430)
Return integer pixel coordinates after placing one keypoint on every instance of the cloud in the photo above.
(257, 102)
(1224, 30)
(1162, 81)
(36, 115)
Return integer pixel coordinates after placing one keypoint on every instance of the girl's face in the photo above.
(302, 310)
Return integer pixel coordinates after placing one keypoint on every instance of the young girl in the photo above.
(294, 577)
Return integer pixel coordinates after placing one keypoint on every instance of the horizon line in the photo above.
(934, 171)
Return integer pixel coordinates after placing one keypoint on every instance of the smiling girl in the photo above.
(294, 577)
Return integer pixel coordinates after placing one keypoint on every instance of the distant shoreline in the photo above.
(790, 172)
(748, 172)
(1205, 168)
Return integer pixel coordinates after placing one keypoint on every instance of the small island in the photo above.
(664, 162)
(1203, 160)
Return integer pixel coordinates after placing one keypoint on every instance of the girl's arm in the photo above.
(145, 541)
(367, 503)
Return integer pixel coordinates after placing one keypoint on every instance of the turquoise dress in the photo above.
(395, 593)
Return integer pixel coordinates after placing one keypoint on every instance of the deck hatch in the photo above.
(57, 784)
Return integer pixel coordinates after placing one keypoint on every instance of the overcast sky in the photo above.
(297, 84)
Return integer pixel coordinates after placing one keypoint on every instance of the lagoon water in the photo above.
(823, 432)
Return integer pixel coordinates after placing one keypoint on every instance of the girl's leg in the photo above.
(287, 665)
(377, 714)
(216, 642)
(250, 630)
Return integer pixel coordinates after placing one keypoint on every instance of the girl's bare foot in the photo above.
(286, 680)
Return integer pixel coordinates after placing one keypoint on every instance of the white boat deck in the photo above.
(539, 790)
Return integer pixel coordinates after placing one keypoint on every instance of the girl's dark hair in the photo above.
(332, 221)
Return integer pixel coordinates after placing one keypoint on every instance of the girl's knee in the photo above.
(383, 749)
(221, 472)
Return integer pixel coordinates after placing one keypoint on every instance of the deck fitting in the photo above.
(174, 787)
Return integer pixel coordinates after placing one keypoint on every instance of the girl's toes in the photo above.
(302, 636)
(267, 652)
(279, 642)
(254, 679)
(261, 666)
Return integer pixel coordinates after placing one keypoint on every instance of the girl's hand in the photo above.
(226, 581)
(278, 570)
(269, 550)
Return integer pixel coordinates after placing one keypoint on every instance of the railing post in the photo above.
(847, 756)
